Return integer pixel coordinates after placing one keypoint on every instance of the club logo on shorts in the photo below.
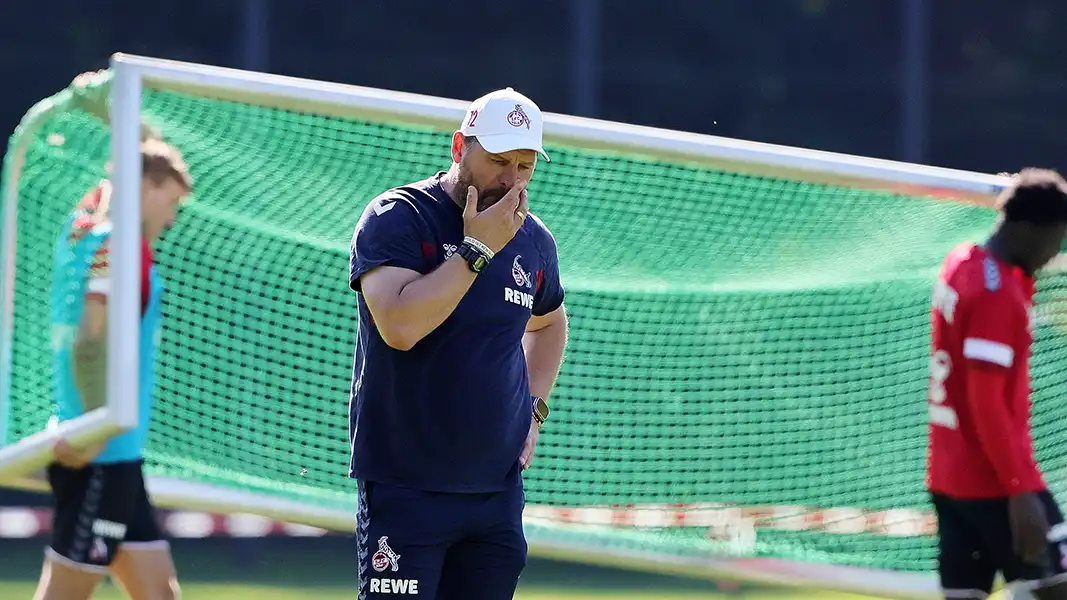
(518, 117)
(522, 278)
(385, 557)
(98, 553)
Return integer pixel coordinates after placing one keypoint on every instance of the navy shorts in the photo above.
(448, 546)
(975, 543)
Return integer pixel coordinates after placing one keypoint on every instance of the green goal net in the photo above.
(747, 368)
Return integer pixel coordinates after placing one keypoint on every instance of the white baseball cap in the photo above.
(503, 121)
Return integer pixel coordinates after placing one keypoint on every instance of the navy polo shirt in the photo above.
(450, 414)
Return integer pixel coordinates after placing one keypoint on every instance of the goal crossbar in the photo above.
(134, 74)
(728, 154)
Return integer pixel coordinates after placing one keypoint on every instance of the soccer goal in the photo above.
(743, 396)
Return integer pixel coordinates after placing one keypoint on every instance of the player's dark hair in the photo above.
(1037, 196)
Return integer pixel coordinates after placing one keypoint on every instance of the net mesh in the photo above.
(741, 347)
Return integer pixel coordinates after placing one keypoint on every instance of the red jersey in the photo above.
(980, 444)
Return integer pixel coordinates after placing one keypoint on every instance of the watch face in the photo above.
(479, 263)
(541, 407)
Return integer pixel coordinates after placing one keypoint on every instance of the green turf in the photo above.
(322, 569)
(201, 591)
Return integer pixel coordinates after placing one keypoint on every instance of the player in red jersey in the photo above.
(994, 511)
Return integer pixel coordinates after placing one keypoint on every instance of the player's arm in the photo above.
(90, 363)
(989, 347)
(407, 305)
(90, 358)
(546, 332)
(387, 252)
(386, 264)
(90, 343)
(90, 353)
(544, 342)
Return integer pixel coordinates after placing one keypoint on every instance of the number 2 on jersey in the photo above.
(940, 414)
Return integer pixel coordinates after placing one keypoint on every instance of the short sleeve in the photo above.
(995, 324)
(99, 276)
(100, 271)
(549, 294)
(388, 234)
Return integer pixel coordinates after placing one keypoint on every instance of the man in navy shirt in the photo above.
(461, 336)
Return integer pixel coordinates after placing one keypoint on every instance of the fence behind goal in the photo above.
(745, 384)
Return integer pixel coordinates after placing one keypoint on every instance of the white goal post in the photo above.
(133, 74)
(120, 412)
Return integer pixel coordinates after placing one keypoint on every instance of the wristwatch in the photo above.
(476, 259)
(540, 411)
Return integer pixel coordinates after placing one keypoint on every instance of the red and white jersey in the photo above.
(980, 444)
(86, 217)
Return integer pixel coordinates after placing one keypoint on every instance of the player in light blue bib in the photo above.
(81, 269)
(103, 520)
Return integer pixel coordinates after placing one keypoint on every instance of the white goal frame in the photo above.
(132, 74)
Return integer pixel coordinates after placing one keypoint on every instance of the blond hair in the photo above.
(159, 162)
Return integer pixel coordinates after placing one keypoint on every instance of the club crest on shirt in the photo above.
(522, 278)
(992, 274)
(385, 557)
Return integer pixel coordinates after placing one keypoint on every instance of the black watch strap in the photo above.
(475, 253)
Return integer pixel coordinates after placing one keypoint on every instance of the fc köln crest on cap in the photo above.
(518, 117)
